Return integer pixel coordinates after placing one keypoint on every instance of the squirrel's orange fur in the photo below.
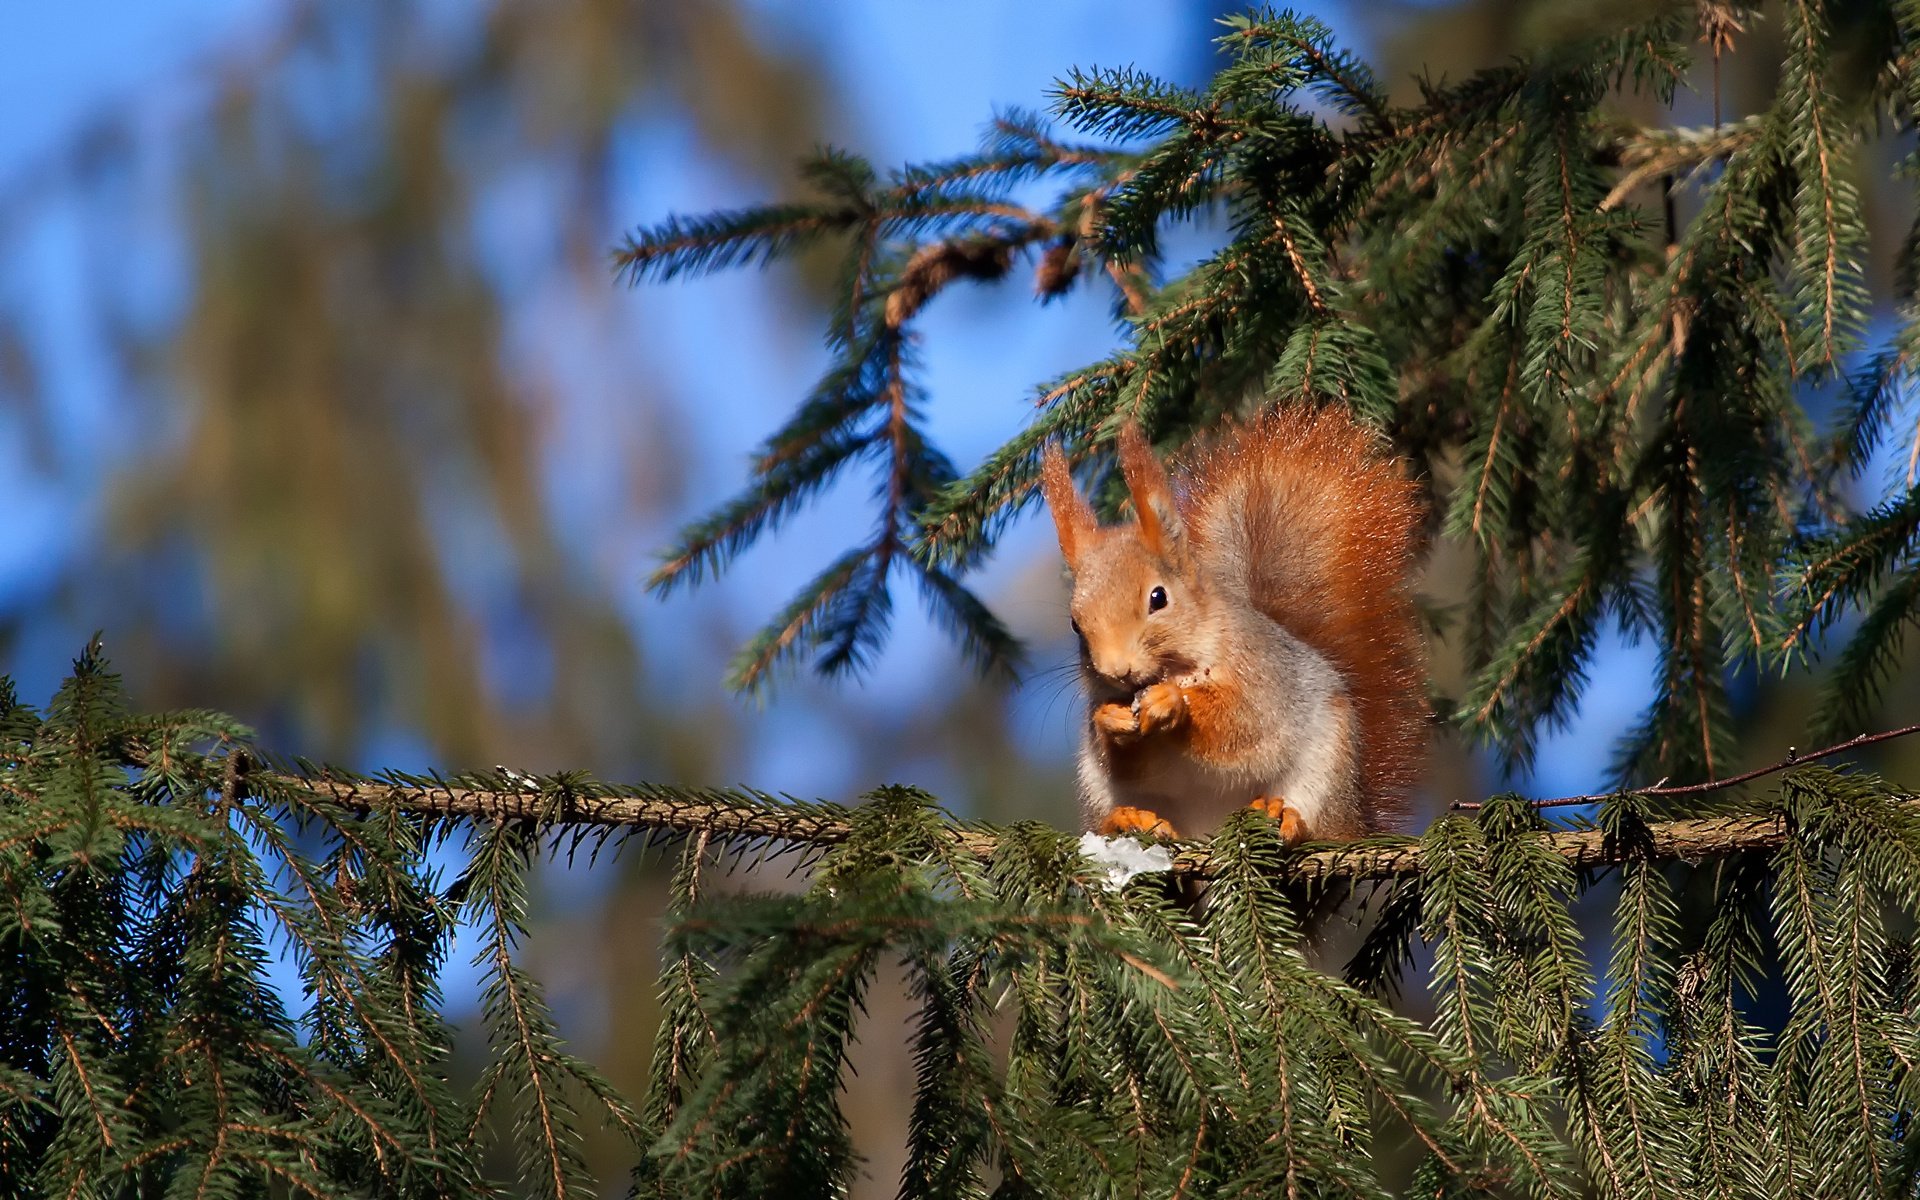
(1335, 523)
(1250, 637)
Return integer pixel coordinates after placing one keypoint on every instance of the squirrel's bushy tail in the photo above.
(1309, 512)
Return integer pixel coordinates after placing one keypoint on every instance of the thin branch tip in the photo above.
(1660, 789)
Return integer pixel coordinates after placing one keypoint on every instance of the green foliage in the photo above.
(147, 881)
(1616, 414)
(1610, 347)
(1173, 1037)
(1075, 1041)
(1607, 346)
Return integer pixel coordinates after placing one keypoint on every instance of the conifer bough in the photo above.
(738, 815)
(1080, 1039)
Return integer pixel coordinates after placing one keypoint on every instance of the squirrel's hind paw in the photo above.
(1292, 828)
(1126, 819)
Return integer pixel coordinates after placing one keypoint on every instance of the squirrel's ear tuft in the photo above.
(1073, 518)
(1152, 491)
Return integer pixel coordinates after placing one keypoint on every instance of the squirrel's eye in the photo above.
(1156, 599)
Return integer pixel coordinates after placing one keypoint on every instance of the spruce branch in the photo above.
(1830, 229)
(1341, 78)
(742, 815)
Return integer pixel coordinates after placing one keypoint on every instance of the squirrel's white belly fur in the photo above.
(1312, 764)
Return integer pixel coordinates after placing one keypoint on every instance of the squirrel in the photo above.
(1250, 638)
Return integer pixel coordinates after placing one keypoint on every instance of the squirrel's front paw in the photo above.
(1160, 706)
(1116, 722)
(1292, 828)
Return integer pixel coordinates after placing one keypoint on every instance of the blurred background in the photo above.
(318, 396)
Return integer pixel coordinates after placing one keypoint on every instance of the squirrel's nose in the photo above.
(1122, 675)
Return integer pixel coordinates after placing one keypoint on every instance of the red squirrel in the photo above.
(1250, 637)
